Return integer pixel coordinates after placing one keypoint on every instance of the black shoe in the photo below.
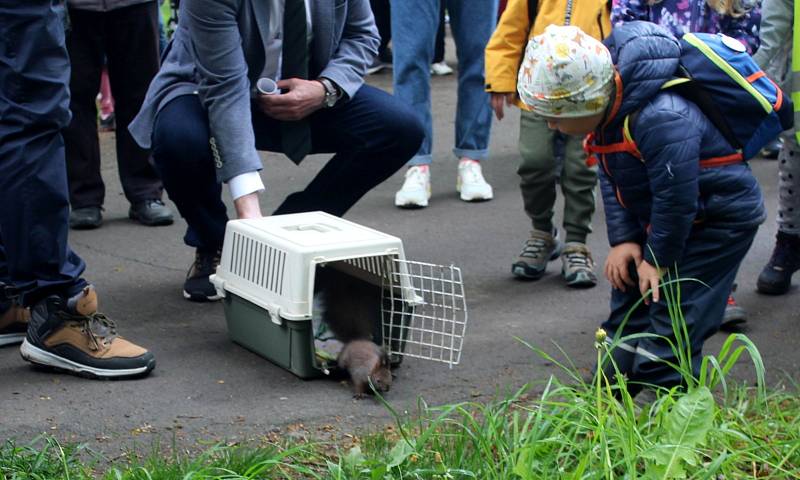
(197, 287)
(85, 218)
(13, 322)
(772, 149)
(776, 277)
(69, 335)
(152, 213)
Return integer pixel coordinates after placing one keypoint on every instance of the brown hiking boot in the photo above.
(70, 335)
(13, 322)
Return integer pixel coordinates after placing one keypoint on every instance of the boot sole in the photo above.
(151, 223)
(523, 271)
(773, 289)
(43, 358)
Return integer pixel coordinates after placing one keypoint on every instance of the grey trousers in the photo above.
(539, 175)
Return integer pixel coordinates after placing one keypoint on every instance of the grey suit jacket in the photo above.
(218, 52)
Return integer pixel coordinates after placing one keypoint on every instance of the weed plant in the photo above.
(573, 428)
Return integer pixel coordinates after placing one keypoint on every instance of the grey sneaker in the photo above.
(539, 249)
(578, 266)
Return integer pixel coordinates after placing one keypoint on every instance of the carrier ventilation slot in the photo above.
(258, 263)
(373, 265)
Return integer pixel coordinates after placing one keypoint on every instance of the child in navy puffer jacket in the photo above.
(671, 209)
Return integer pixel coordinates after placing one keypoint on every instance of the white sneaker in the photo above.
(471, 184)
(441, 69)
(416, 189)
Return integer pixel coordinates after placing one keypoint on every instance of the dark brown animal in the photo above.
(365, 361)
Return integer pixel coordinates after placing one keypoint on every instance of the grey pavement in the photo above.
(207, 388)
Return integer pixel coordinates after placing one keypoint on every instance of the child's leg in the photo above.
(623, 321)
(711, 256)
(537, 171)
(577, 184)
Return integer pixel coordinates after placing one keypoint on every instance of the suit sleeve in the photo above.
(669, 141)
(506, 47)
(357, 48)
(223, 85)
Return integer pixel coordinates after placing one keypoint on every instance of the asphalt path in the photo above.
(206, 388)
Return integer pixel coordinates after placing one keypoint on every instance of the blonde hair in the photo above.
(730, 8)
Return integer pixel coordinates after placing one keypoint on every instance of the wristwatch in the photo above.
(332, 92)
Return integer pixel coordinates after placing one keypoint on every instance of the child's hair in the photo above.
(730, 8)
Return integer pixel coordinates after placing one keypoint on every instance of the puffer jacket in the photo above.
(507, 46)
(657, 200)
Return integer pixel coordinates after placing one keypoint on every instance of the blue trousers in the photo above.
(712, 256)
(414, 26)
(35, 258)
(372, 135)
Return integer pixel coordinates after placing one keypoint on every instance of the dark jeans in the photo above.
(373, 135)
(383, 21)
(128, 39)
(34, 70)
(438, 47)
(712, 256)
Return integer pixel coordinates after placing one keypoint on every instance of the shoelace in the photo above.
(205, 263)
(416, 175)
(534, 247)
(471, 172)
(578, 260)
(100, 329)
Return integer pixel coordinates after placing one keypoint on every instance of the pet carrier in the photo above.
(267, 278)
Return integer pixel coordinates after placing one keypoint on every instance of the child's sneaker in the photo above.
(13, 322)
(471, 184)
(69, 335)
(416, 189)
(539, 249)
(578, 266)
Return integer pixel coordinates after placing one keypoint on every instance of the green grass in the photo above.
(563, 428)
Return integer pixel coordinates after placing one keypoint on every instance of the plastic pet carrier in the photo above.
(267, 279)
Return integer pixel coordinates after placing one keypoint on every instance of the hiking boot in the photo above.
(416, 189)
(471, 184)
(776, 277)
(85, 218)
(197, 287)
(152, 213)
(539, 249)
(734, 314)
(578, 266)
(13, 322)
(69, 335)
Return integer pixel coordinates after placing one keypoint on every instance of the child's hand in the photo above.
(616, 268)
(649, 276)
(497, 103)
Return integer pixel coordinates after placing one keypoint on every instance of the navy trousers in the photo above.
(712, 256)
(34, 107)
(372, 135)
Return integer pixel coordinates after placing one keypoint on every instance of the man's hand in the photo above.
(497, 103)
(616, 268)
(649, 276)
(247, 206)
(303, 97)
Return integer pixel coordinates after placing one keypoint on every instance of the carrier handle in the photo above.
(317, 227)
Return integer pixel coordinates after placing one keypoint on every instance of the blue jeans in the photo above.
(372, 134)
(414, 26)
(35, 259)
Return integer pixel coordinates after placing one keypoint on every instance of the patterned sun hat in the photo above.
(565, 73)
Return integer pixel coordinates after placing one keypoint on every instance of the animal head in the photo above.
(381, 376)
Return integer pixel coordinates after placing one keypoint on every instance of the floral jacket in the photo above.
(684, 16)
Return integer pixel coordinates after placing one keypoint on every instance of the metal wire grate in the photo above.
(432, 327)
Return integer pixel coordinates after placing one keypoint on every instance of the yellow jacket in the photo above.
(507, 45)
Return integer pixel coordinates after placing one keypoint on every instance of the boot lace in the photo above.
(578, 260)
(535, 247)
(98, 328)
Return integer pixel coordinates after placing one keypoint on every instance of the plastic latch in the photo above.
(274, 314)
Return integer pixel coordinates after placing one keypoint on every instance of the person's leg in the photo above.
(132, 47)
(472, 23)
(383, 21)
(65, 330)
(85, 47)
(373, 135)
(413, 32)
(438, 47)
(776, 277)
(577, 184)
(537, 173)
(709, 265)
(182, 156)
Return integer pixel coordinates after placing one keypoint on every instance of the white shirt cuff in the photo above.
(245, 183)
